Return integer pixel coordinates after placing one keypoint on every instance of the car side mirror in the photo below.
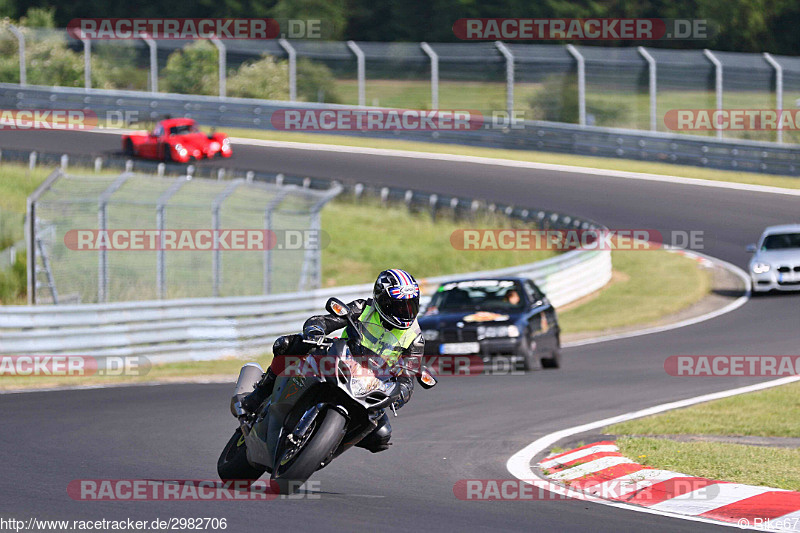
(337, 307)
(751, 248)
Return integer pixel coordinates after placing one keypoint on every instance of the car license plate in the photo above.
(459, 348)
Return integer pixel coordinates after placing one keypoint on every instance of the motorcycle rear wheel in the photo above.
(327, 435)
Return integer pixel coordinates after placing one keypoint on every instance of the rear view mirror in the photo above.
(751, 248)
(337, 307)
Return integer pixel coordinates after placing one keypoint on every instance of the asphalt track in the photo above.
(465, 428)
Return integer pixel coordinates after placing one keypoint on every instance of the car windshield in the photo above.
(781, 241)
(477, 294)
(183, 129)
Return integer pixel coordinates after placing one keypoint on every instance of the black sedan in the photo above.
(491, 317)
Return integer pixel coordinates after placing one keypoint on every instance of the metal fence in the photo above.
(622, 87)
(211, 328)
(61, 269)
(726, 154)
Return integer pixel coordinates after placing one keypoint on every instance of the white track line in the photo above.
(519, 464)
(518, 164)
(736, 304)
(409, 154)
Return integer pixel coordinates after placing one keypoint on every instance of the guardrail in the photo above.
(209, 328)
(750, 156)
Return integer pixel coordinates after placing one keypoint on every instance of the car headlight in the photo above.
(430, 334)
(488, 332)
(181, 150)
(760, 268)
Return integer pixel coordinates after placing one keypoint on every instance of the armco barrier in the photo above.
(750, 156)
(209, 328)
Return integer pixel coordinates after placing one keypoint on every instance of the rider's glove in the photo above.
(403, 397)
(313, 333)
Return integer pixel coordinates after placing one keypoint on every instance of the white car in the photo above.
(776, 263)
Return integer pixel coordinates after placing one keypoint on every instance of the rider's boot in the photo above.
(262, 390)
(378, 440)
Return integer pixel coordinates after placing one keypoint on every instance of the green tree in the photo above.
(315, 82)
(266, 79)
(192, 70)
(332, 14)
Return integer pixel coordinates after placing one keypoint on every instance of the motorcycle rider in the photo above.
(389, 329)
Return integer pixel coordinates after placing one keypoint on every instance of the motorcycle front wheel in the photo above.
(297, 465)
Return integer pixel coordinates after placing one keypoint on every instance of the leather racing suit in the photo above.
(319, 325)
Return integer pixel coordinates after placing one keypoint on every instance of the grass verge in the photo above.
(632, 298)
(367, 238)
(524, 155)
(768, 413)
(752, 465)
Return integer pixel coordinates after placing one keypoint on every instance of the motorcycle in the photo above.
(319, 408)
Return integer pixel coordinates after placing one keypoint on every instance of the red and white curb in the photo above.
(599, 470)
(520, 465)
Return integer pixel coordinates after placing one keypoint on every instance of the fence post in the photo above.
(216, 259)
(87, 62)
(311, 272)
(102, 225)
(153, 62)
(271, 206)
(509, 77)
(778, 90)
(223, 74)
(161, 212)
(581, 83)
(651, 64)
(718, 83)
(361, 69)
(292, 68)
(23, 71)
(30, 230)
(434, 74)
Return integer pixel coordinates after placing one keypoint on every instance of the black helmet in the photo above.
(396, 297)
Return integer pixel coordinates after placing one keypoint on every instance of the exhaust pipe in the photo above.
(248, 377)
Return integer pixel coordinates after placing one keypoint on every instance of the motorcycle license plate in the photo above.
(459, 348)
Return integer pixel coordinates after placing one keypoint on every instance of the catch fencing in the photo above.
(726, 154)
(619, 87)
(66, 208)
(211, 328)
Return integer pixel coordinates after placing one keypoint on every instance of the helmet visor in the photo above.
(405, 310)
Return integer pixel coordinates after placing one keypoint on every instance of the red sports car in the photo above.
(176, 139)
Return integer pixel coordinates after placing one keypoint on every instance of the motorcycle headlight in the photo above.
(489, 332)
(760, 268)
(430, 334)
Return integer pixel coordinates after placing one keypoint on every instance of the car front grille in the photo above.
(786, 268)
(459, 335)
